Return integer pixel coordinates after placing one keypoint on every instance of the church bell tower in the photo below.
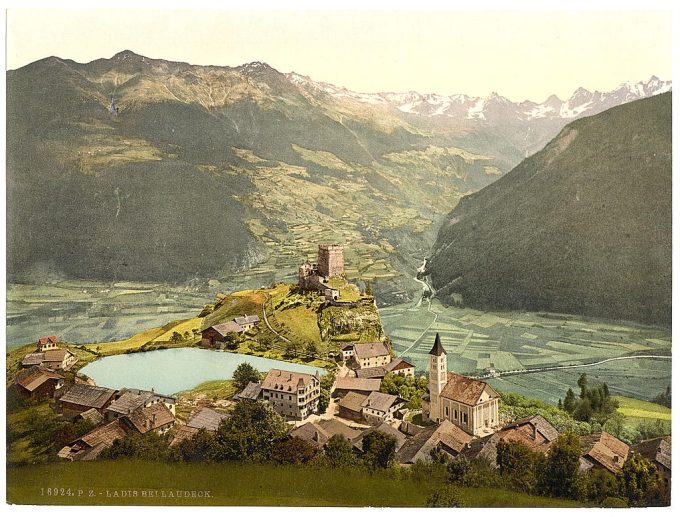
(438, 370)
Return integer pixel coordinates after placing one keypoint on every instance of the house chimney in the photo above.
(153, 419)
(316, 436)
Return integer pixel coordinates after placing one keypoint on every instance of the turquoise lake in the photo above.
(177, 369)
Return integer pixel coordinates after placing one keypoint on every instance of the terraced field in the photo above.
(508, 341)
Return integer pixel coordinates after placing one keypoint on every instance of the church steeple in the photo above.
(437, 348)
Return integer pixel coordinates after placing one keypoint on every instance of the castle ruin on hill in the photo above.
(330, 264)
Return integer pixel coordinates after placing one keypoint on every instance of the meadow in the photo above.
(115, 483)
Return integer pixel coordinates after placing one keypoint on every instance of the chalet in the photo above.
(469, 403)
(602, 450)
(318, 433)
(446, 436)
(37, 383)
(93, 416)
(378, 407)
(658, 452)
(206, 418)
(535, 432)
(46, 343)
(344, 385)
(127, 401)
(154, 418)
(251, 392)
(370, 355)
(54, 359)
(81, 397)
(247, 322)
(401, 366)
(91, 445)
(216, 336)
(351, 406)
(291, 394)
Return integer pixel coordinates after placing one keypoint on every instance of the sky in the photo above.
(518, 54)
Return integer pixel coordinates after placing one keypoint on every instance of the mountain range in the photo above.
(145, 169)
(584, 226)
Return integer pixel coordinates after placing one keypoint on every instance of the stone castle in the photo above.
(330, 264)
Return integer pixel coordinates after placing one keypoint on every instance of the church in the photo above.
(471, 404)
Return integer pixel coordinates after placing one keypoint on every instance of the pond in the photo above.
(177, 369)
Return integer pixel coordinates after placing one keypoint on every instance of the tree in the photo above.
(663, 398)
(176, 337)
(310, 349)
(601, 484)
(446, 497)
(231, 340)
(293, 450)
(339, 452)
(200, 447)
(326, 383)
(641, 483)
(559, 473)
(379, 449)
(244, 374)
(517, 464)
(583, 384)
(291, 349)
(250, 432)
(570, 401)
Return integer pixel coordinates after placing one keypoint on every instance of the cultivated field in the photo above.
(476, 340)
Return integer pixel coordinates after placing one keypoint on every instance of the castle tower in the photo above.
(438, 370)
(331, 262)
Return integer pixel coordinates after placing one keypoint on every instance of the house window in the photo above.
(446, 410)
(465, 418)
(455, 414)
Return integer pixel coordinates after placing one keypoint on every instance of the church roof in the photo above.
(465, 389)
(437, 348)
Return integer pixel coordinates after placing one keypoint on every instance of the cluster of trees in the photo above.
(254, 432)
(407, 387)
(244, 374)
(593, 404)
(556, 474)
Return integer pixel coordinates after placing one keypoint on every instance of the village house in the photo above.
(347, 352)
(251, 392)
(54, 359)
(93, 416)
(602, 450)
(46, 343)
(154, 418)
(127, 401)
(206, 418)
(469, 403)
(217, 335)
(291, 394)
(400, 367)
(246, 322)
(90, 446)
(343, 385)
(378, 372)
(81, 397)
(371, 355)
(318, 433)
(350, 407)
(37, 383)
(378, 407)
(446, 436)
(385, 428)
(658, 452)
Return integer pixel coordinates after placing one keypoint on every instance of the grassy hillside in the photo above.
(583, 226)
(239, 485)
(640, 411)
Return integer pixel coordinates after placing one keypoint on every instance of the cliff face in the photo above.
(583, 226)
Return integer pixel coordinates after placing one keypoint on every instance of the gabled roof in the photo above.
(33, 358)
(89, 396)
(183, 433)
(150, 418)
(366, 350)
(437, 348)
(105, 434)
(250, 392)
(356, 384)
(452, 438)
(312, 434)
(93, 416)
(380, 401)
(538, 422)
(284, 380)
(35, 377)
(377, 372)
(333, 426)
(465, 389)
(604, 449)
(206, 418)
(656, 450)
(353, 401)
(398, 364)
(244, 320)
(56, 355)
(129, 402)
(225, 328)
(47, 339)
(383, 427)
